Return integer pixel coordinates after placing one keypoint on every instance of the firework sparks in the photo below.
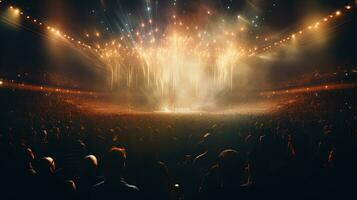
(173, 62)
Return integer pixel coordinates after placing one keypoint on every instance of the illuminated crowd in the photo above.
(54, 151)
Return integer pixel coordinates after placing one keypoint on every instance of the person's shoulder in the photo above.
(98, 186)
(97, 191)
(130, 187)
(214, 169)
(200, 157)
(131, 191)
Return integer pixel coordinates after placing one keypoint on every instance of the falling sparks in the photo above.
(173, 65)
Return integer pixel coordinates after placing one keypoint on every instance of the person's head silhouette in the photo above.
(89, 166)
(114, 163)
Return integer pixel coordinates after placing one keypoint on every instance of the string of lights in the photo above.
(300, 33)
(17, 12)
(250, 52)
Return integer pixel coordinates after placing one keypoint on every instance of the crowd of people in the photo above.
(51, 150)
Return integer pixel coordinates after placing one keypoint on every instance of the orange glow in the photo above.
(17, 11)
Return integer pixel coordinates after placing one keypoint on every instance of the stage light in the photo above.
(348, 7)
(17, 11)
(338, 13)
(317, 25)
(1, 82)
